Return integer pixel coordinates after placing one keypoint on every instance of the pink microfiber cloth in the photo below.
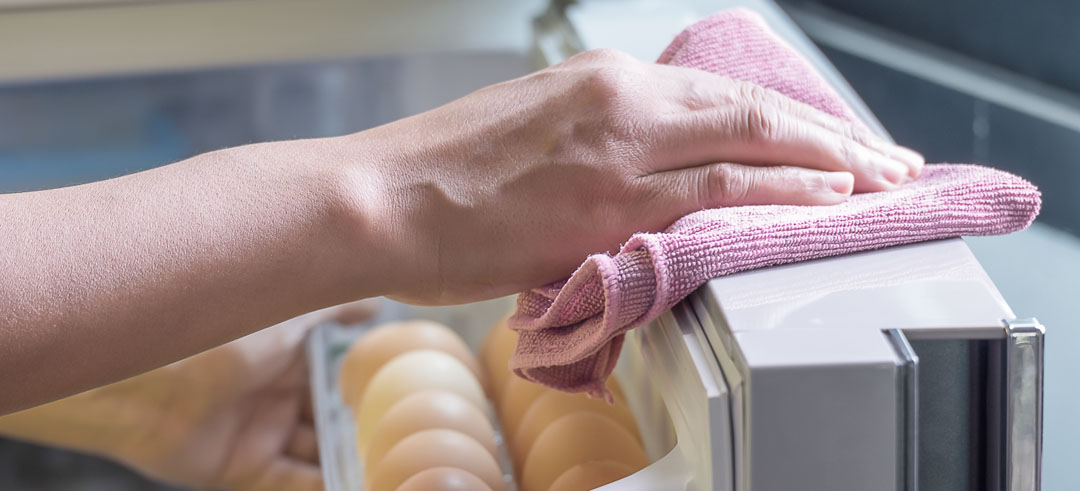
(570, 333)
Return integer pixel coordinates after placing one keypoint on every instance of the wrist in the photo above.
(377, 254)
(300, 210)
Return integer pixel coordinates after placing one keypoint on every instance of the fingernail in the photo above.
(917, 169)
(913, 159)
(840, 182)
(894, 172)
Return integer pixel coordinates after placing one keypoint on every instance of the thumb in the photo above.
(723, 184)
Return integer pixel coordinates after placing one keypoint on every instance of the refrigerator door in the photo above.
(900, 368)
(820, 408)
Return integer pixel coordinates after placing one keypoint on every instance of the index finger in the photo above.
(762, 134)
(707, 90)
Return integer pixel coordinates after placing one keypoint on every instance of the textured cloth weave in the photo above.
(570, 333)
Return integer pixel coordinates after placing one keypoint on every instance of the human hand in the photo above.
(237, 417)
(512, 186)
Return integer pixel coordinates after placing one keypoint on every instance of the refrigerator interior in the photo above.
(660, 379)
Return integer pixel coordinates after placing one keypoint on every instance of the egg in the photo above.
(552, 405)
(434, 448)
(425, 410)
(378, 346)
(591, 475)
(517, 396)
(412, 372)
(498, 347)
(575, 439)
(443, 479)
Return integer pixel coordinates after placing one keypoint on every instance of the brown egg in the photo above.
(411, 372)
(426, 410)
(517, 396)
(575, 439)
(498, 347)
(443, 479)
(551, 405)
(591, 475)
(383, 343)
(434, 448)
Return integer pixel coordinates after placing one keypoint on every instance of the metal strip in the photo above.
(734, 370)
(1023, 399)
(320, 393)
(908, 410)
(719, 406)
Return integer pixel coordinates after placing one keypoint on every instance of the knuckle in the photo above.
(846, 154)
(606, 83)
(608, 95)
(816, 184)
(730, 93)
(760, 123)
(725, 185)
(609, 74)
(855, 134)
(761, 114)
(849, 132)
(602, 55)
(752, 94)
(706, 196)
(699, 94)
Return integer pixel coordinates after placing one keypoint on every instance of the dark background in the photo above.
(1039, 39)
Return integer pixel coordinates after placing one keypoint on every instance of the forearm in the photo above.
(102, 281)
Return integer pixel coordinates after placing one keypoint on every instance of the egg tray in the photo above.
(654, 377)
(341, 466)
